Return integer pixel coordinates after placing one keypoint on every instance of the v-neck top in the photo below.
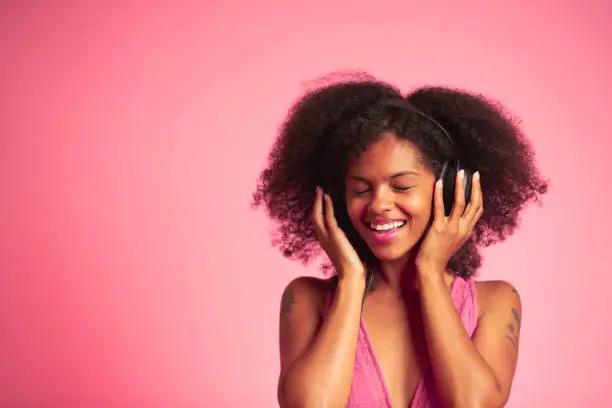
(368, 388)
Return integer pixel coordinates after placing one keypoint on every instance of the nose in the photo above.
(382, 201)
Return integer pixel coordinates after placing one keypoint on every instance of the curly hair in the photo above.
(341, 117)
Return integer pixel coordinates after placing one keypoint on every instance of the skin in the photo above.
(410, 316)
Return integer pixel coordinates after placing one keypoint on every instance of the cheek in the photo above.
(356, 209)
(418, 205)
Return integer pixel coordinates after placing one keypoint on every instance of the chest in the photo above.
(395, 331)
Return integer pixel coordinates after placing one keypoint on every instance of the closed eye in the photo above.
(396, 188)
(361, 192)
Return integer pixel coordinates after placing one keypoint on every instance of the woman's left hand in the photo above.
(447, 234)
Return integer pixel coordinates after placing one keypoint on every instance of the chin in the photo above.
(389, 254)
(390, 247)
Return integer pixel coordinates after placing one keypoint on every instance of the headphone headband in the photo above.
(404, 104)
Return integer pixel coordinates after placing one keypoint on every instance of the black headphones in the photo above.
(451, 167)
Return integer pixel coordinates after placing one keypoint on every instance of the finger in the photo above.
(475, 205)
(459, 205)
(478, 199)
(330, 218)
(317, 212)
(439, 213)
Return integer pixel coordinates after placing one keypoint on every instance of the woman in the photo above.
(399, 192)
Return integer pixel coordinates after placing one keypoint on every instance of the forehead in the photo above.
(388, 155)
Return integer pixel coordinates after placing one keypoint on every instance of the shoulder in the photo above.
(307, 291)
(496, 295)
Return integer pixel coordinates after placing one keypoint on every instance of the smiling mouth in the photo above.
(386, 228)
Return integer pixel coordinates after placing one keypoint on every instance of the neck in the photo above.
(399, 275)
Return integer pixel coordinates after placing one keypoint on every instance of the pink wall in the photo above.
(133, 272)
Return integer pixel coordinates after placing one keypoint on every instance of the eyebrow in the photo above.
(394, 176)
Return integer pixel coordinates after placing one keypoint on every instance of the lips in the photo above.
(383, 231)
(388, 226)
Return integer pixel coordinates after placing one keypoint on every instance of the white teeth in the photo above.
(387, 227)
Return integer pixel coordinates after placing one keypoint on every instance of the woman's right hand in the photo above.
(334, 242)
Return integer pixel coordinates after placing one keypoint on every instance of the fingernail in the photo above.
(461, 174)
(477, 176)
(439, 183)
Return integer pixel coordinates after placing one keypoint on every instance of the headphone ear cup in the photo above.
(448, 177)
(468, 185)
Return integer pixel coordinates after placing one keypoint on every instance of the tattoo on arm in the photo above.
(287, 302)
(512, 334)
(517, 317)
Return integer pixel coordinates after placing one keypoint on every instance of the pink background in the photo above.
(133, 271)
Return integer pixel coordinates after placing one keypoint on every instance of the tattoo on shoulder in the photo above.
(517, 317)
(513, 328)
(287, 302)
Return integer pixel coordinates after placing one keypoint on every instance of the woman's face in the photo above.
(389, 192)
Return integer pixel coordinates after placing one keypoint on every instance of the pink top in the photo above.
(369, 389)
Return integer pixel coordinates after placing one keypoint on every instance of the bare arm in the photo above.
(475, 372)
(317, 357)
(468, 372)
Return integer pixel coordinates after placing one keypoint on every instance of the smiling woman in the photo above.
(399, 191)
(388, 197)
